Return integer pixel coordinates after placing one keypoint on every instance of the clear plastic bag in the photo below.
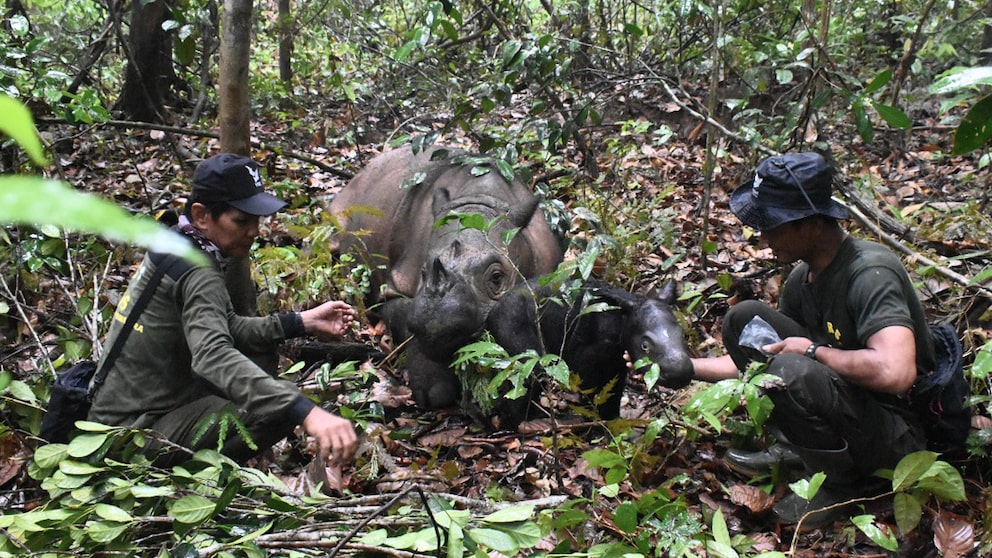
(757, 334)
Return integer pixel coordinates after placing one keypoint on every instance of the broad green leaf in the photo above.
(943, 481)
(18, 123)
(148, 491)
(373, 538)
(448, 518)
(525, 534)
(112, 513)
(456, 542)
(720, 532)
(510, 515)
(603, 458)
(192, 509)
(86, 444)
(494, 539)
(966, 77)
(878, 82)
(50, 455)
(424, 540)
(104, 531)
(5, 377)
(71, 467)
(625, 517)
(908, 511)
(21, 390)
(88, 426)
(910, 468)
(893, 116)
(882, 537)
(33, 200)
(253, 535)
(975, 129)
(720, 550)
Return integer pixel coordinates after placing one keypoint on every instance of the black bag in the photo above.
(74, 389)
(939, 398)
(70, 401)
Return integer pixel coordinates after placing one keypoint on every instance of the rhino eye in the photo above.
(496, 281)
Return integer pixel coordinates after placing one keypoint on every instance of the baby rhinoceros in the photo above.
(593, 343)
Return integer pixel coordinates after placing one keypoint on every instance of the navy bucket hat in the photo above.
(786, 188)
(234, 179)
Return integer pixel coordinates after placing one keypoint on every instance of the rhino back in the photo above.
(394, 206)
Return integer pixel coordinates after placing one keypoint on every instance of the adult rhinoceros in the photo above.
(439, 282)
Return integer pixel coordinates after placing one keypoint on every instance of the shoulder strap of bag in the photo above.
(132, 317)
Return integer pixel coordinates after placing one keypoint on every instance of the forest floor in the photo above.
(448, 452)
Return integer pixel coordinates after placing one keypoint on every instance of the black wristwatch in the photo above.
(811, 350)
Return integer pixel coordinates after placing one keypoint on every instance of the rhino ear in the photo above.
(668, 293)
(521, 214)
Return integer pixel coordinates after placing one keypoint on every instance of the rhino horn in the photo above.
(521, 213)
(439, 278)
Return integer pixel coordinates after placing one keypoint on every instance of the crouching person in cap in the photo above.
(186, 361)
(853, 335)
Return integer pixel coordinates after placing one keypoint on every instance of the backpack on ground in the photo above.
(939, 397)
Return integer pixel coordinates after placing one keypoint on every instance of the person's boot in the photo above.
(754, 463)
(843, 483)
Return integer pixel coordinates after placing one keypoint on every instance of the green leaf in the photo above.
(71, 467)
(807, 488)
(49, 456)
(625, 517)
(879, 81)
(720, 532)
(456, 542)
(147, 491)
(908, 511)
(192, 509)
(104, 531)
(961, 79)
(18, 123)
(975, 128)
(720, 550)
(510, 515)
(883, 538)
(112, 513)
(88, 426)
(37, 201)
(861, 121)
(603, 458)
(893, 116)
(86, 444)
(5, 376)
(910, 468)
(494, 539)
(943, 481)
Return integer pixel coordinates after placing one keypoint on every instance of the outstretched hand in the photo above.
(330, 320)
(335, 436)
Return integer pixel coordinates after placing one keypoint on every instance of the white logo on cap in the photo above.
(255, 176)
(755, 185)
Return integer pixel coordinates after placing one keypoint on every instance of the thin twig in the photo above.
(24, 318)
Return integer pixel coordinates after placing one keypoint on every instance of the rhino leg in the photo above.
(433, 383)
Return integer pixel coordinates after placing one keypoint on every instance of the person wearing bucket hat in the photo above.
(187, 362)
(846, 340)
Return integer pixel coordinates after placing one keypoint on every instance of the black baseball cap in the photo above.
(786, 188)
(235, 179)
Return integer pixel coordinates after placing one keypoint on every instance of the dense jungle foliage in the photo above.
(633, 120)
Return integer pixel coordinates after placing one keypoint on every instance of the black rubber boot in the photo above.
(843, 483)
(754, 463)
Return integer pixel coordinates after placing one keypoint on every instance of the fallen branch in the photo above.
(914, 255)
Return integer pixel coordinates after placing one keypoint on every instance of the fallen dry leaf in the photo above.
(953, 535)
(751, 497)
(449, 437)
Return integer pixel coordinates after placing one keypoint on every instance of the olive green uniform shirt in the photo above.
(864, 289)
(189, 343)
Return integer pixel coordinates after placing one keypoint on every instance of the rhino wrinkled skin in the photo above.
(439, 283)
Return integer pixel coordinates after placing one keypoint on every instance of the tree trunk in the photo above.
(285, 41)
(235, 118)
(233, 94)
(149, 74)
(986, 51)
